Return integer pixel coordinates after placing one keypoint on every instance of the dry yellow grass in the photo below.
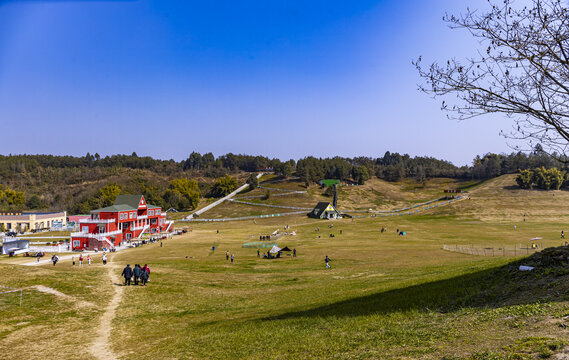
(387, 296)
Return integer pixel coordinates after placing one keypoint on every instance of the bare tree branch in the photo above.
(521, 70)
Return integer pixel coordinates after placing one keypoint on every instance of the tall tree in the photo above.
(108, 194)
(521, 70)
(224, 186)
(186, 188)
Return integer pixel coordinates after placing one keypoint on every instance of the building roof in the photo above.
(115, 208)
(320, 208)
(131, 200)
(126, 203)
(329, 182)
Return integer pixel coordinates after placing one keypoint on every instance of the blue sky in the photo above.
(284, 79)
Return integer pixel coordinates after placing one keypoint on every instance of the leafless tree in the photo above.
(521, 69)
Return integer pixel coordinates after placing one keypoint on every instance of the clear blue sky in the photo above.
(285, 79)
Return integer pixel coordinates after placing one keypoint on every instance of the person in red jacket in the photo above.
(147, 269)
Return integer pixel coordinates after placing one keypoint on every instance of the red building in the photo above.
(126, 220)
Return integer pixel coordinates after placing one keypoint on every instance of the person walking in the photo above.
(160, 243)
(144, 277)
(294, 252)
(81, 260)
(104, 258)
(562, 234)
(54, 259)
(232, 258)
(227, 255)
(137, 272)
(89, 260)
(38, 255)
(327, 260)
(73, 260)
(147, 269)
(127, 273)
(258, 253)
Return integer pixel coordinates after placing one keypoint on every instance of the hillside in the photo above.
(386, 296)
(375, 194)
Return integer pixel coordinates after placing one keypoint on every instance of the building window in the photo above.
(157, 212)
(151, 213)
(85, 229)
(128, 236)
(131, 216)
(121, 216)
(76, 243)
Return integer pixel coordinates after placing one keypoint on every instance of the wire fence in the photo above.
(247, 217)
(9, 290)
(504, 250)
(269, 205)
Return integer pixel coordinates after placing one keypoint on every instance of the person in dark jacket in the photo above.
(144, 277)
(127, 273)
(147, 269)
(137, 272)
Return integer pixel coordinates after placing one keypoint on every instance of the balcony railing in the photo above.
(97, 235)
(142, 217)
(97, 221)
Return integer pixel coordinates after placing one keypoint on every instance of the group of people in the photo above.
(137, 274)
(227, 256)
(89, 259)
(55, 259)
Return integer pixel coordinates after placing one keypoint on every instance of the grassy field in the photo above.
(386, 296)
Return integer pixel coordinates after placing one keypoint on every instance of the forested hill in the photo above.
(80, 184)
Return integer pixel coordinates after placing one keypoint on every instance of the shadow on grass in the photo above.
(491, 288)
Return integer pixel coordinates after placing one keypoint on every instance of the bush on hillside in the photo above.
(542, 178)
(224, 186)
(253, 182)
(525, 179)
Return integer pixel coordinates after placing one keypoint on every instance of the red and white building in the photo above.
(126, 220)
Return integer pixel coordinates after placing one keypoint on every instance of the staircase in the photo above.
(105, 239)
(142, 232)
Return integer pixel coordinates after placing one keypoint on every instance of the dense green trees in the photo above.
(108, 194)
(252, 181)
(182, 194)
(525, 179)
(223, 186)
(74, 182)
(11, 199)
(542, 178)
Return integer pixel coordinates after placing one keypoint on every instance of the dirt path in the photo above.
(101, 348)
(48, 290)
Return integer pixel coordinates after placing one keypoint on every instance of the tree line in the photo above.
(73, 183)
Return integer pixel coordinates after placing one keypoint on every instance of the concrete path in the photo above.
(214, 204)
(47, 258)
